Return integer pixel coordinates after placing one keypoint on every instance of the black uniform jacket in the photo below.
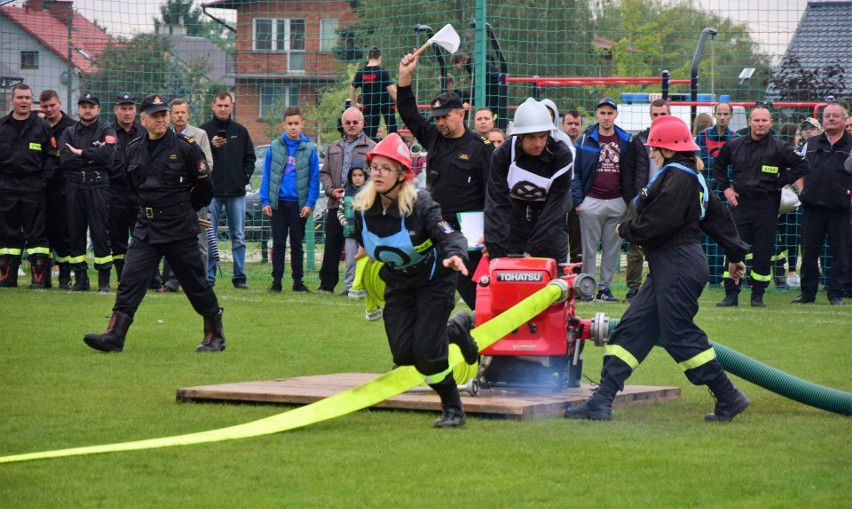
(759, 168)
(171, 183)
(424, 223)
(668, 213)
(118, 186)
(457, 168)
(234, 162)
(54, 174)
(24, 156)
(516, 226)
(97, 141)
(828, 183)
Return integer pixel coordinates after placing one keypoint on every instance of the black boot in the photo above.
(730, 401)
(9, 271)
(731, 300)
(112, 339)
(214, 337)
(103, 280)
(458, 331)
(40, 270)
(64, 276)
(82, 281)
(48, 274)
(452, 412)
(119, 266)
(596, 408)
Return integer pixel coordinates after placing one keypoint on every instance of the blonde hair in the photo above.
(405, 197)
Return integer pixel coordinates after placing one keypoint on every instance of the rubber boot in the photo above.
(598, 407)
(732, 292)
(730, 401)
(103, 280)
(757, 298)
(214, 337)
(452, 412)
(9, 271)
(40, 270)
(119, 266)
(64, 276)
(82, 281)
(48, 274)
(458, 331)
(112, 339)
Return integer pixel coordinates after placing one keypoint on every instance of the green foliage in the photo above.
(651, 36)
(175, 13)
(58, 393)
(793, 82)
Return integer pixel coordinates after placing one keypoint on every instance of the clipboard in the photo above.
(472, 226)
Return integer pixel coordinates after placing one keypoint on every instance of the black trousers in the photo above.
(574, 243)
(664, 310)
(141, 264)
(373, 118)
(817, 224)
(89, 207)
(416, 312)
(122, 219)
(56, 221)
(758, 227)
(287, 223)
(466, 284)
(330, 270)
(22, 223)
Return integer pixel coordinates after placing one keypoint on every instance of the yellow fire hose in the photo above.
(365, 395)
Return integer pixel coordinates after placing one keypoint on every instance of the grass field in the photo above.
(57, 393)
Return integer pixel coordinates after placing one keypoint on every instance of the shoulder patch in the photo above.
(187, 139)
(485, 140)
(109, 139)
(445, 226)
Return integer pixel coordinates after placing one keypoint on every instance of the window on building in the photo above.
(282, 35)
(328, 34)
(277, 97)
(29, 60)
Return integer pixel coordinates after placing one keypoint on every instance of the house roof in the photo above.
(190, 49)
(822, 38)
(89, 40)
(6, 72)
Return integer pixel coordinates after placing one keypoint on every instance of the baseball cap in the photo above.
(445, 103)
(154, 103)
(810, 123)
(125, 97)
(89, 97)
(607, 101)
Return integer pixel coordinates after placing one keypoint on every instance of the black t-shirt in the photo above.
(152, 144)
(373, 82)
(19, 124)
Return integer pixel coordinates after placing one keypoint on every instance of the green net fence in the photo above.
(275, 54)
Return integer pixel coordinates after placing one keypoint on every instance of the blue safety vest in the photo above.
(703, 195)
(396, 250)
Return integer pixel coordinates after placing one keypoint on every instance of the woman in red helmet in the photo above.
(671, 214)
(402, 227)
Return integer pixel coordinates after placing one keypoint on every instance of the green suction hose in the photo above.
(771, 379)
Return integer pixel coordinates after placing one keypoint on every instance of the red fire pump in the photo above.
(546, 352)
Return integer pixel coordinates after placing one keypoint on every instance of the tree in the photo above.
(651, 36)
(176, 13)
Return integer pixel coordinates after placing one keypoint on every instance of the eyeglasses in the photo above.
(384, 172)
(351, 122)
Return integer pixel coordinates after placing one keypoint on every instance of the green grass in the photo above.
(57, 393)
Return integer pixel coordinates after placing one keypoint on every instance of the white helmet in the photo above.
(532, 117)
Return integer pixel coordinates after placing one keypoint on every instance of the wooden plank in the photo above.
(506, 403)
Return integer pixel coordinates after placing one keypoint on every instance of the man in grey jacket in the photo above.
(353, 146)
(179, 111)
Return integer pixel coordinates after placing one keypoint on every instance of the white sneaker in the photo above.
(372, 316)
(794, 281)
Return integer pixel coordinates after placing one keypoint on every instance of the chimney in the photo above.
(34, 5)
(62, 10)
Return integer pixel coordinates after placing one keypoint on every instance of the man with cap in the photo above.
(122, 205)
(458, 160)
(26, 145)
(86, 153)
(601, 188)
(170, 176)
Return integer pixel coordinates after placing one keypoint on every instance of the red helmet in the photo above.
(671, 133)
(393, 147)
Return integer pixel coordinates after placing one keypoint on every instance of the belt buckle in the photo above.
(149, 212)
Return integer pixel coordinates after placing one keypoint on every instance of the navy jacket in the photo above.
(586, 164)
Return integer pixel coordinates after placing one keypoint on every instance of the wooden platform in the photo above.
(512, 404)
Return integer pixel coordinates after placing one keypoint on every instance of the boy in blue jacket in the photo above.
(288, 193)
(355, 180)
